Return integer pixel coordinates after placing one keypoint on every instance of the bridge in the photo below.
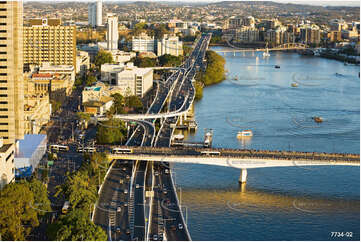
(286, 46)
(240, 159)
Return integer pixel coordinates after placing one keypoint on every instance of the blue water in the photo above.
(293, 203)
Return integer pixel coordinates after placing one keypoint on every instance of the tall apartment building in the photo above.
(169, 45)
(143, 43)
(46, 40)
(112, 32)
(311, 35)
(95, 14)
(11, 85)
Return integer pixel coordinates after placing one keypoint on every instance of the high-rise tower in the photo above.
(112, 32)
(95, 13)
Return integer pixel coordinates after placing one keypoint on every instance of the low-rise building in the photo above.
(31, 150)
(122, 56)
(129, 79)
(100, 107)
(37, 112)
(82, 62)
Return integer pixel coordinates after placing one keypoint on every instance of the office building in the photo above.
(129, 79)
(143, 43)
(95, 14)
(112, 32)
(169, 45)
(11, 86)
(48, 41)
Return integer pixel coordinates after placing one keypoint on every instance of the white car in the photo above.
(119, 209)
(126, 191)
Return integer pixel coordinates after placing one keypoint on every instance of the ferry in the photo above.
(294, 84)
(244, 133)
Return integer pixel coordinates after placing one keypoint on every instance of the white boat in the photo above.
(244, 133)
(178, 137)
(266, 54)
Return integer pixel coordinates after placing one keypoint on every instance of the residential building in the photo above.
(95, 14)
(46, 40)
(310, 35)
(143, 43)
(11, 86)
(169, 45)
(335, 36)
(247, 34)
(112, 32)
(129, 79)
(37, 112)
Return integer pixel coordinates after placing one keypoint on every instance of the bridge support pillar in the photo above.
(243, 176)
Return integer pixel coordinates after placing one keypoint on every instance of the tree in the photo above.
(90, 80)
(111, 132)
(17, 214)
(160, 31)
(76, 226)
(118, 105)
(102, 58)
(79, 191)
(170, 60)
(133, 102)
(42, 202)
(144, 62)
(55, 105)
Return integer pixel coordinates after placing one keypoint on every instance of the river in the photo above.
(292, 203)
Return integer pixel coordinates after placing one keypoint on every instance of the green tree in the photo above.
(145, 62)
(76, 226)
(133, 102)
(118, 105)
(160, 31)
(111, 132)
(102, 58)
(79, 191)
(42, 202)
(55, 105)
(170, 60)
(90, 80)
(17, 214)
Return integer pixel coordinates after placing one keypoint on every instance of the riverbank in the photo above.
(214, 73)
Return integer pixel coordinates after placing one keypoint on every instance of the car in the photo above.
(118, 229)
(125, 204)
(165, 191)
(127, 176)
(180, 226)
(119, 209)
(124, 169)
(155, 237)
(121, 181)
(156, 173)
(160, 237)
(127, 231)
(136, 185)
(172, 227)
(166, 171)
(126, 191)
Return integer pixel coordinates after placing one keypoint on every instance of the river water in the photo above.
(292, 203)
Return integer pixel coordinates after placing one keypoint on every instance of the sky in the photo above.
(309, 2)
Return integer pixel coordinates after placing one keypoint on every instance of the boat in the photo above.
(235, 78)
(244, 133)
(178, 137)
(294, 84)
(317, 119)
(277, 66)
(266, 53)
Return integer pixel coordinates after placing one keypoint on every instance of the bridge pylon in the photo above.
(243, 176)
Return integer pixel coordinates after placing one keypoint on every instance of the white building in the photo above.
(112, 32)
(129, 79)
(82, 62)
(95, 13)
(122, 56)
(170, 45)
(143, 43)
